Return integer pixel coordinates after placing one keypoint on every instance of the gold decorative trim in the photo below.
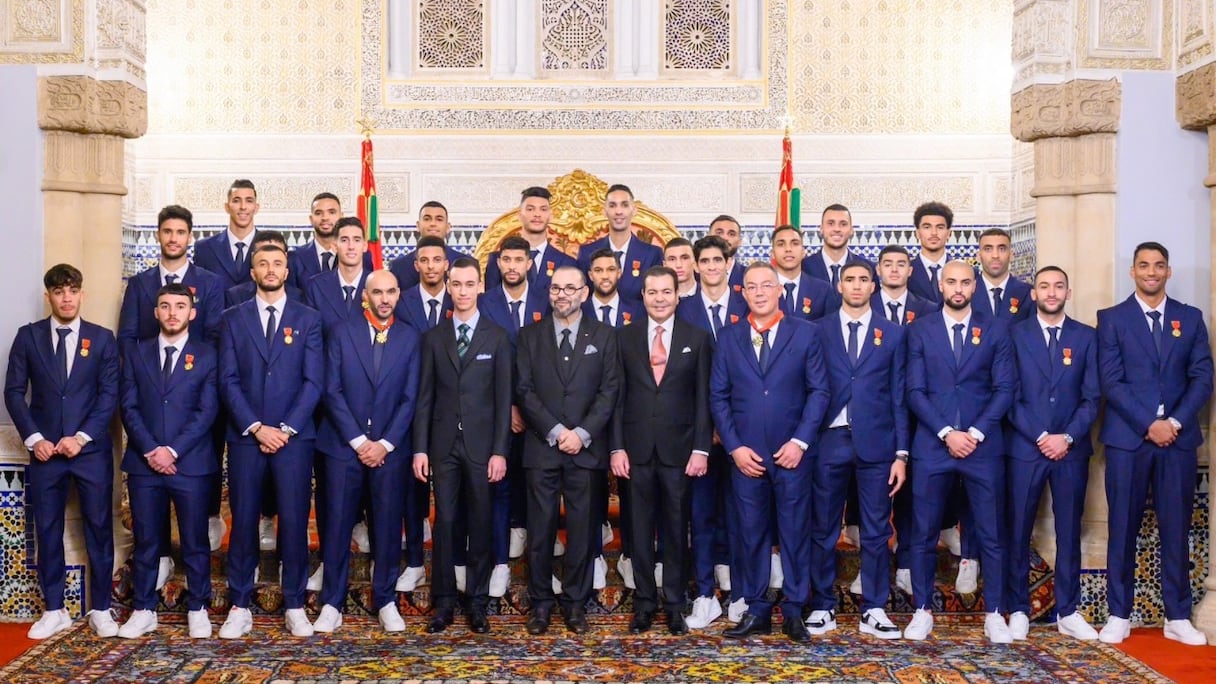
(1195, 98)
(82, 104)
(1078, 107)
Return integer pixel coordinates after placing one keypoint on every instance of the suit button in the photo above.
(1052, 400)
(766, 393)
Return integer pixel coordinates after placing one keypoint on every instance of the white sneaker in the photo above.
(390, 620)
(519, 542)
(876, 623)
(852, 535)
(1115, 630)
(411, 578)
(500, 579)
(722, 576)
(821, 622)
(140, 623)
(624, 568)
(102, 623)
(967, 580)
(426, 530)
(1076, 627)
(920, 627)
(557, 585)
(855, 585)
(199, 624)
(658, 575)
(903, 580)
(952, 540)
(1184, 632)
(359, 535)
(599, 572)
(164, 570)
(606, 535)
(215, 531)
(462, 577)
(1019, 626)
(559, 549)
(238, 624)
(705, 609)
(736, 610)
(775, 575)
(316, 579)
(52, 622)
(329, 620)
(266, 536)
(297, 622)
(996, 630)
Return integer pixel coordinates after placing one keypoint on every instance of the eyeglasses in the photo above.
(767, 286)
(569, 290)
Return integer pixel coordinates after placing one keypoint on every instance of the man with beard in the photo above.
(932, 221)
(226, 254)
(319, 255)
(1057, 403)
(432, 222)
(466, 379)
(768, 395)
(633, 257)
(237, 294)
(1004, 296)
(68, 367)
(802, 296)
(370, 392)
(961, 381)
(568, 377)
(678, 256)
(169, 400)
(835, 229)
(727, 228)
(534, 215)
(1156, 372)
(272, 374)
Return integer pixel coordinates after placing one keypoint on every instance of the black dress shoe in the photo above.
(641, 622)
(538, 622)
(675, 623)
(576, 620)
(749, 625)
(795, 629)
(478, 623)
(439, 622)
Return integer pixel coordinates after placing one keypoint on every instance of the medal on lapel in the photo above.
(1067, 356)
(381, 329)
(1177, 326)
(189, 362)
(734, 318)
(536, 317)
(877, 337)
(806, 305)
(84, 347)
(637, 268)
(627, 317)
(975, 335)
(287, 338)
(1013, 305)
(911, 316)
(549, 268)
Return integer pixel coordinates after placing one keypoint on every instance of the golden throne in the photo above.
(578, 218)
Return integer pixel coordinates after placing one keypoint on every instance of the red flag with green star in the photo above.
(367, 210)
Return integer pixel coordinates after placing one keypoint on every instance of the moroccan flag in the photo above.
(367, 210)
(789, 198)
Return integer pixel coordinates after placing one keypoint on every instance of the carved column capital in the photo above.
(1078, 107)
(81, 104)
(1195, 98)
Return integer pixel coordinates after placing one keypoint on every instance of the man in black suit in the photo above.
(466, 380)
(568, 379)
(661, 434)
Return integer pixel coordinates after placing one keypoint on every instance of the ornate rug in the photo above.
(360, 652)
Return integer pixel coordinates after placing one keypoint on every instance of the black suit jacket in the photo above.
(579, 393)
(672, 417)
(472, 394)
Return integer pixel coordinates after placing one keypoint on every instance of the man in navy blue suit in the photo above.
(933, 221)
(678, 256)
(961, 380)
(1057, 402)
(727, 228)
(169, 400)
(768, 393)
(835, 229)
(237, 294)
(514, 303)
(69, 368)
(1156, 373)
(370, 393)
(802, 295)
(226, 254)
(864, 437)
(272, 374)
(432, 221)
(534, 215)
(320, 254)
(1002, 295)
(633, 256)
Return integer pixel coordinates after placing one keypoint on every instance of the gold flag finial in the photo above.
(787, 122)
(366, 126)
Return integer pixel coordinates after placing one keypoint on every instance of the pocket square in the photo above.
(686, 350)
(484, 357)
(590, 350)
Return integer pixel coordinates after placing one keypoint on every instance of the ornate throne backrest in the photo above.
(578, 218)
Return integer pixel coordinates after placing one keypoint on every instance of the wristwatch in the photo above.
(1068, 438)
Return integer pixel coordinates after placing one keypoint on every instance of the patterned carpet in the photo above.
(360, 652)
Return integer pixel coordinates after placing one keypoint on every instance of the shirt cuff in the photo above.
(173, 452)
(1175, 423)
(975, 432)
(83, 437)
(388, 446)
(902, 452)
(1041, 435)
(801, 444)
(703, 453)
(941, 434)
(554, 433)
(357, 442)
(584, 436)
(33, 439)
(252, 426)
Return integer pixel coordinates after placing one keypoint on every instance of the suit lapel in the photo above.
(1168, 340)
(582, 339)
(867, 343)
(1141, 330)
(778, 345)
(1034, 340)
(253, 321)
(449, 346)
(749, 349)
(41, 332)
(361, 341)
(476, 343)
(969, 336)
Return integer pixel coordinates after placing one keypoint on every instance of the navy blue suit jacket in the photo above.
(553, 259)
(136, 319)
(913, 305)
(239, 294)
(979, 391)
(179, 415)
(276, 384)
(1054, 397)
(626, 311)
(1135, 382)
(303, 264)
(324, 293)
(213, 254)
(919, 284)
(411, 311)
(640, 254)
(692, 309)
(765, 410)
(813, 299)
(814, 266)
(493, 305)
(1015, 290)
(407, 274)
(736, 276)
(872, 388)
(85, 403)
(360, 401)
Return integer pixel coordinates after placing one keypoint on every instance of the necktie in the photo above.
(789, 297)
(1156, 316)
(271, 325)
(170, 278)
(716, 319)
(835, 275)
(619, 256)
(853, 351)
(606, 314)
(1053, 346)
(377, 352)
(515, 312)
(61, 353)
(462, 341)
(348, 293)
(658, 355)
(565, 347)
(432, 317)
(958, 343)
(327, 262)
(937, 295)
(240, 253)
(764, 351)
(893, 307)
(535, 264)
(166, 370)
(996, 301)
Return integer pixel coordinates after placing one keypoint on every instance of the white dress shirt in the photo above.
(1160, 308)
(842, 418)
(180, 273)
(72, 341)
(950, 323)
(614, 308)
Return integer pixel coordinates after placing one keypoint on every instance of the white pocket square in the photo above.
(590, 350)
(686, 350)
(484, 357)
